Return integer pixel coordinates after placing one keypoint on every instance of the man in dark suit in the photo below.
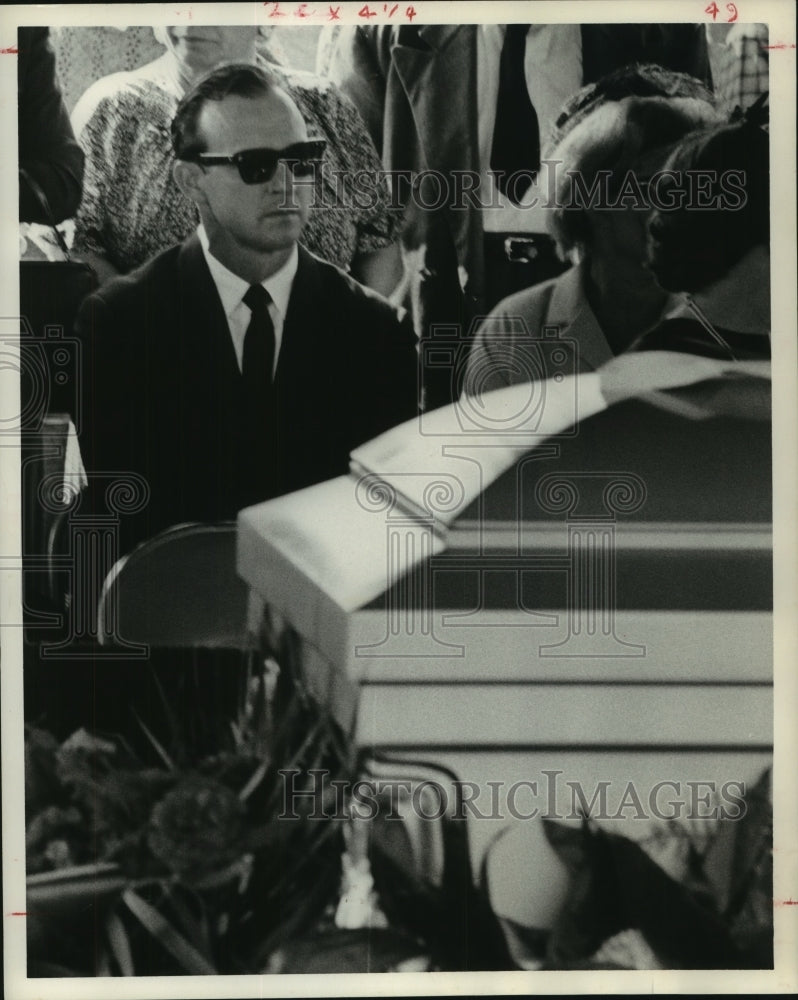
(236, 366)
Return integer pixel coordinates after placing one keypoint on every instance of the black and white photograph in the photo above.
(398, 545)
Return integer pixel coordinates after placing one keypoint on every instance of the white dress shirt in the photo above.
(232, 290)
(553, 67)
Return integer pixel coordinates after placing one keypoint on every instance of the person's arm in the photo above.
(112, 426)
(390, 387)
(353, 61)
(377, 258)
(94, 125)
(113, 389)
(97, 401)
(101, 265)
(380, 269)
(48, 151)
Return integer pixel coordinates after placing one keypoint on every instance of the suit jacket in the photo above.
(48, 151)
(161, 389)
(545, 330)
(415, 86)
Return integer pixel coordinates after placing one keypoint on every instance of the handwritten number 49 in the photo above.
(713, 10)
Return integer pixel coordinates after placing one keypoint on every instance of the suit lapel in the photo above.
(302, 340)
(206, 334)
(309, 379)
(207, 380)
(570, 311)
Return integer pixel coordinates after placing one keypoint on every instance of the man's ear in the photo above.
(188, 178)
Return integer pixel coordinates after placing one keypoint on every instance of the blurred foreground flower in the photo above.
(197, 825)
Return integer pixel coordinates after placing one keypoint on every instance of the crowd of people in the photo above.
(276, 248)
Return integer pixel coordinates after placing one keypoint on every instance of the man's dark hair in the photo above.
(692, 247)
(232, 79)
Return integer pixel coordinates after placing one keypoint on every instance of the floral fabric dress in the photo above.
(132, 209)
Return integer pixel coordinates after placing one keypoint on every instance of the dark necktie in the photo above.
(516, 137)
(258, 359)
(257, 461)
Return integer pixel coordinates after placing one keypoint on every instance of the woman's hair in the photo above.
(695, 244)
(232, 79)
(634, 80)
(607, 157)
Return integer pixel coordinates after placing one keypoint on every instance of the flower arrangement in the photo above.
(170, 848)
(182, 860)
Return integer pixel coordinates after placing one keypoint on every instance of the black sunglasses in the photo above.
(256, 166)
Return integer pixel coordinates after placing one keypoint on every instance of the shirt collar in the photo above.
(232, 288)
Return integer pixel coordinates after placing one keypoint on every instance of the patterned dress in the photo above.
(132, 208)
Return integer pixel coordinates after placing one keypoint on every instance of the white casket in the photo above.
(590, 626)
